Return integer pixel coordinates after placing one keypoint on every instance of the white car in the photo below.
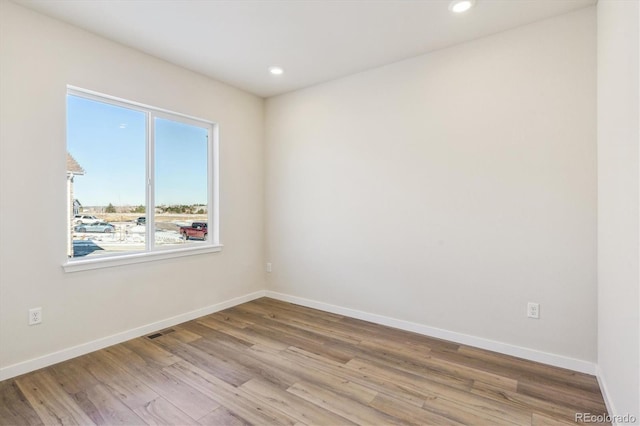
(85, 218)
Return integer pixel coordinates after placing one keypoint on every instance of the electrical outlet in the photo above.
(533, 310)
(268, 266)
(35, 316)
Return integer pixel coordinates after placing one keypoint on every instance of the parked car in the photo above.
(85, 218)
(95, 227)
(196, 230)
(142, 220)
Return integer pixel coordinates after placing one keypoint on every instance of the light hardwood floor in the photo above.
(271, 362)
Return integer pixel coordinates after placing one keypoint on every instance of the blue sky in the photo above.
(108, 142)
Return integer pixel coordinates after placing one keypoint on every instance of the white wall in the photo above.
(618, 204)
(39, 57)
(449, 189)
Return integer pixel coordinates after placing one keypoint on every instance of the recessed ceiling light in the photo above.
(276, 70)
(459, 6)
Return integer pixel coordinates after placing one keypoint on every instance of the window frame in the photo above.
(151, 251)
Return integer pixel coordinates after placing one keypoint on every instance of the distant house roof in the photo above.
(73, 166)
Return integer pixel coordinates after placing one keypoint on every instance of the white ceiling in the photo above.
(313, 40)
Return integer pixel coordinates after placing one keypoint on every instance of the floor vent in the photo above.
(160, 333)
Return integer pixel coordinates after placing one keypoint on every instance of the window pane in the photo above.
(181, 183)
(138, 179)
(106, 157)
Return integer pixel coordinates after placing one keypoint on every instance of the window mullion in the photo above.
(150, 195)
(213, 168)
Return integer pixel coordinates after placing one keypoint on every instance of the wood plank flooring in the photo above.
(270, 362)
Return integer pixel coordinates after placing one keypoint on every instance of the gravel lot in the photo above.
(129, 236)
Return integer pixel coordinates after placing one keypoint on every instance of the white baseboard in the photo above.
(85, 348)
(478, 342)
(518, 351)
(602, 382)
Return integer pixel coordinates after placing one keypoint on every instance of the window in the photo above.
(141, 182)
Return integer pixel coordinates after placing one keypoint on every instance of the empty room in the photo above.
(319, 212)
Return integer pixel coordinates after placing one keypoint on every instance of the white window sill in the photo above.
(128, 259)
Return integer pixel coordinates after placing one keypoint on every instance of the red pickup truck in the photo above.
(196, 230)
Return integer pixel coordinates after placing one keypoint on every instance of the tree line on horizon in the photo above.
(175, 208)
